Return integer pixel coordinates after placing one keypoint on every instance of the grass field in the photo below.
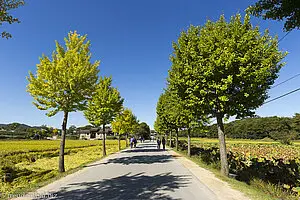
(23, 164)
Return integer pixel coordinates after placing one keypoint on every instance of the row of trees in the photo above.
(219, 70)
(283, 129)
(69, 83)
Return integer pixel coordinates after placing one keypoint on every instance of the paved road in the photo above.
(140, 173)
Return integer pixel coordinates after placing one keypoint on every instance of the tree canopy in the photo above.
(143, 130)
(6, 17)
(288, 10)
(67, 81)
(125, 123)
(225, 67)
(105, 104)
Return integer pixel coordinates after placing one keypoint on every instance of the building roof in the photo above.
(94, 130)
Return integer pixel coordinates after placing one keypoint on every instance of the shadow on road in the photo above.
(143, 159)
(140, 149)
(137, 186)
(148, 145)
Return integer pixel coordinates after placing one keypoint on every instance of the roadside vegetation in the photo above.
(261, 169)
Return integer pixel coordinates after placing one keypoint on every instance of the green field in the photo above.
(27, 163)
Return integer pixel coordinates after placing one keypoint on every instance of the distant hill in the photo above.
(23, 131)
(17, 126)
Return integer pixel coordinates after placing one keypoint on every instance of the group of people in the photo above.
(142, 139)
(163, 142)
(133, 142)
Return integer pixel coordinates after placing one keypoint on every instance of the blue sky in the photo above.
(132, 39)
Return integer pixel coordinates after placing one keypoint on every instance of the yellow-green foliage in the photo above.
(31, 162)
(65, 82)
(105, 104)
(125, 123)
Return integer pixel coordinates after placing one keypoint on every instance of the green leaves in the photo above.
(174, 113)
(5, 16)
(126, 122)
(143, 130)
(224, 67)
(68, 80)
(278, 10)
(105, 104)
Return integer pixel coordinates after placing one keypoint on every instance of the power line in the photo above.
(285, 80)
(282, 96)
(284, 36)
(292, 76)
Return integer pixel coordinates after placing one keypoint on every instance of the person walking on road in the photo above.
(134, 142)
(158, 143)
(163, 141)
(131, 142)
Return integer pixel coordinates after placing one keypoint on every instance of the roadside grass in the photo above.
(256, 189)
(29, 175)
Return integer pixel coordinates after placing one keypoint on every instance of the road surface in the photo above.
(140, 173)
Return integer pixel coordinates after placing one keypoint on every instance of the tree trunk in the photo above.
(126, 136)
(103, 141)
(189, 143)
(223, 153)
(176, 139)
(170, 139)
(61, 162)
(119, 143)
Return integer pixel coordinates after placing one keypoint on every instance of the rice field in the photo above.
(28, 163)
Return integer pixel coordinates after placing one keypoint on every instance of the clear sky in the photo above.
(132, 39)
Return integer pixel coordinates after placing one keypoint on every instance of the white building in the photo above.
(93, 133)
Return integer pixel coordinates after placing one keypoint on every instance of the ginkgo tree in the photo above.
(225, 69)
(125, 123)
(104, 106)
(167, 113)
(64, 83)
(173, 114)
(163, 124)
(159, 125)
(116, 126)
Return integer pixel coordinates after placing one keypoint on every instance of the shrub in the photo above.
(111, 137)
